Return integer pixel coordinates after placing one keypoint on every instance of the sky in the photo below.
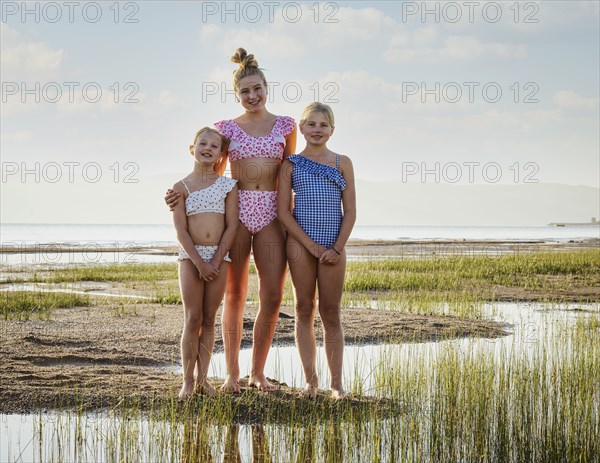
(100, 100)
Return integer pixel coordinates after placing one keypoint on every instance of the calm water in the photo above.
(127, 236)
(53, 436)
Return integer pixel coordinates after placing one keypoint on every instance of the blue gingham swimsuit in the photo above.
(318, 198)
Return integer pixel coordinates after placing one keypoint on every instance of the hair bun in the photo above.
(242, 58)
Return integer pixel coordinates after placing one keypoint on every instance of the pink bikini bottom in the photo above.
(257, 209)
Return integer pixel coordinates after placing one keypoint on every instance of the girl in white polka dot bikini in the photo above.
(260, 141)
(206, 223)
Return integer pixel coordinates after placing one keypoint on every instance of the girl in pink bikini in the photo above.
(260, 141)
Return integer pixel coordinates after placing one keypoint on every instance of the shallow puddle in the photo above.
(99, 437)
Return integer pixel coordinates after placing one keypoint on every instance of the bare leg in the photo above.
(260, 448)
(269, 256)
(232, 448)
(192, 290)
(330, 280)
(233, 311)
(213, 295)
(306, 452)
(303, 268)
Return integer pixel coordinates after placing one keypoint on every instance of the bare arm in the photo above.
(172, 198)
(184, 238)
(290, 143)
(348, 203)
(232, 219)
(284, 214)
(333, 253)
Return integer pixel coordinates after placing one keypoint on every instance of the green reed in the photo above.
(539, 403)
(534, 400)
(465, 273)
(21, 305)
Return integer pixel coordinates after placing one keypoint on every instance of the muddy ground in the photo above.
(98, 356)
(92, 357)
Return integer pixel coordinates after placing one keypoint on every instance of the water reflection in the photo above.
(69, 436)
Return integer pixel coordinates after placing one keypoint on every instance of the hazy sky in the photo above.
(426, 92)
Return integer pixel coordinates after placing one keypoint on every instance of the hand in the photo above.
(329, 257)
(317, 250)
(172, 198)
(207, 272)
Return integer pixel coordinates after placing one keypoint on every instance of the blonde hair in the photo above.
(248, 67)
(320, 108)
(223, 138)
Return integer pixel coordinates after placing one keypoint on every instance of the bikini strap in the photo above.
(186, 187)
(337, 162)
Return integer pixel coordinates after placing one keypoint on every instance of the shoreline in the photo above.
(114, 348)
(354, 246)
(133, 350)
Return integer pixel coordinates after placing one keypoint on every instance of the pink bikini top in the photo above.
(244, 146)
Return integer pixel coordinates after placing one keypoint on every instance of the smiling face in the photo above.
(207, 148)
(252, 92)
(316, 128)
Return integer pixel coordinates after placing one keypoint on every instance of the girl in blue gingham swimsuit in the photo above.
(318, 198)
(316, 203)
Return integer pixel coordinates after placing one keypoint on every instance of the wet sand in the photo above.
(94, 357)
(106, 352)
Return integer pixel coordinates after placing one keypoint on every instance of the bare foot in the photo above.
(309, 392)
(230, 386)
(206, 389)
(338, 394)
(187, 390)
(261, 383)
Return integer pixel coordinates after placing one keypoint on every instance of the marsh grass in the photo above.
(455, 284)
(476, 274)
(147, 273)
(535, 404)
(276, 428)
(471, 402)
(22, 305)
(540, 402)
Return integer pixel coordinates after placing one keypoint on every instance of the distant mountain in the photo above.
(378, 203)
(397, 203)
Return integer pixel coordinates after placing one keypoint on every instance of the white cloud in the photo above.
(571, 100)
(355, 28)
(168, 99)
(23, 60)
(421, 48)
(17, 137)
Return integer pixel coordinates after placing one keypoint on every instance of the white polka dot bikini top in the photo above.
(209, 199)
